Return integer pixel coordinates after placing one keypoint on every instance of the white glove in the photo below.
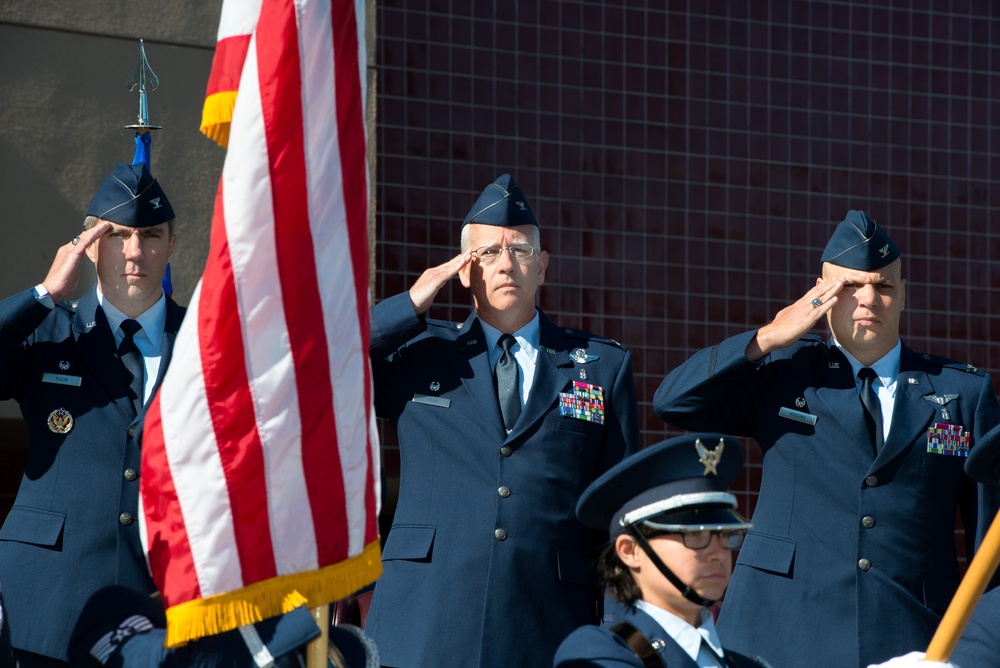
(912, 660)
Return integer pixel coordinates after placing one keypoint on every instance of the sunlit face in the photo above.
(707, 571)
(865, 319)
(504, 292)
(131, 262)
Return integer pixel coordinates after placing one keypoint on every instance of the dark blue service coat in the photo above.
(486, 563)
(852, 557)
(599, 647)
(74, 525)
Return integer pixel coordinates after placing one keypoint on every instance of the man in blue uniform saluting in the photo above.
(82, 372)
(852, 557)
(502, 420)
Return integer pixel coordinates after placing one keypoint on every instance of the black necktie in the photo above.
(508, 388)
(873, 409)
(132, 362)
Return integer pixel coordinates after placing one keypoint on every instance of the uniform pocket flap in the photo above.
(768, 553)
(574, 567)
(30, 525)
(409, 542)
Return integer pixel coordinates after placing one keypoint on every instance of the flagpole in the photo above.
(318, 650)
(969, 591)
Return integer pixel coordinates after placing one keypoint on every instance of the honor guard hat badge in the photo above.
(130, 196)
(60, 421)
(502, 204)
(680, 481)
(859, 243)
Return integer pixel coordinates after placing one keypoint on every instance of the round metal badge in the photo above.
(60, 421)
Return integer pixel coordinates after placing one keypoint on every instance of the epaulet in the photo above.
(593, 338)
(812, 338)
(70, 306)
(946, 363)
(445, 324)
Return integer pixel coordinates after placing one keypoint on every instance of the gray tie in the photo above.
(873, 409)
(508, 387)
(132, 362)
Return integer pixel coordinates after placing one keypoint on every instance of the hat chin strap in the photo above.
(685, 590)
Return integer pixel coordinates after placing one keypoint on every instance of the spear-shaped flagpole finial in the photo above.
(143, 77)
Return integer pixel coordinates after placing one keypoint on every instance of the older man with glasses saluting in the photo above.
(502, 420)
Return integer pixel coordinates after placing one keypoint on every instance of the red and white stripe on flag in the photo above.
(260, 458)
(236, 25)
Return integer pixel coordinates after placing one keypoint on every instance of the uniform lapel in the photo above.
(839, 394)
(911, 414)
(96, 343)
(549, 381)
(175, 314)
(471, 353)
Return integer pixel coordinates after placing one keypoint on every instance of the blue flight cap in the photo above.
(130, 196)
(502, 204)
(682, 480)
(983, 463)
(859, 243)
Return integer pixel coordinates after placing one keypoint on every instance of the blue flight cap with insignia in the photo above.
(502, 204)
(983, 462)
(130, 196)
(859, 243)
(680, 481)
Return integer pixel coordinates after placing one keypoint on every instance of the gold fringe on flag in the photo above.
(216, 114)
(224, 612)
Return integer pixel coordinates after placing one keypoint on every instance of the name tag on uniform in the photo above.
(798, 416)
(440, 402)
(61, 379)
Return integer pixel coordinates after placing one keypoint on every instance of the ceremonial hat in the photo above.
(502, 204)
(983, 463)
(859, 243)
(680, 481)
(130, 196)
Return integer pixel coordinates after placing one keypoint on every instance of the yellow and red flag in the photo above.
(236, 25)
(260, 457)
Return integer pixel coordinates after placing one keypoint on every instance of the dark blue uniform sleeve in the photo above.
(20, 315)
(712, 391)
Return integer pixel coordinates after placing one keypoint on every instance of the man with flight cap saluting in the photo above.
(502, 420)
(852, 557)
(82, 371)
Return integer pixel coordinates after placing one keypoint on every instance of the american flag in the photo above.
(260, 457)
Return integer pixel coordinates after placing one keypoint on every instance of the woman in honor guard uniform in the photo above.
(81, 372)
(852, 558)
(673, 526)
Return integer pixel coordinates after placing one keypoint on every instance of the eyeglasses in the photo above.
(489, 254)
(698, 539)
